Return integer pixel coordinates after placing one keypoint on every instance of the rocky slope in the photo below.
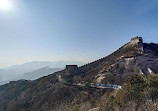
(134, 57)
(48, 94)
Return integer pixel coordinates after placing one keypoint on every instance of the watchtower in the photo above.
(138, 43)
(137, 40)
(71, 67)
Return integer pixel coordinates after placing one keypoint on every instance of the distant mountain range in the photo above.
(32, 70)
(39, 73)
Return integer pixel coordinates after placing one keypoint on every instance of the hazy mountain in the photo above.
(40, 64)
(39, 73)
(17, 71)
(49, 94)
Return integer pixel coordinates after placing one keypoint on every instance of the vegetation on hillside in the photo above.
(138, 93)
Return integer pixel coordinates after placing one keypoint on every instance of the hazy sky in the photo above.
(77, 30)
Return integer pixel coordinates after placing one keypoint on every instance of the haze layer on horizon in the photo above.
(74, 30)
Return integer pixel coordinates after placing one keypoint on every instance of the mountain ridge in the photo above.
(47, 93)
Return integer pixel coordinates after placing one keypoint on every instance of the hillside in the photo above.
(49, 94)
(134, 57)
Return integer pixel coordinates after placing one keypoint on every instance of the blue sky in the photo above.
(76, 30)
